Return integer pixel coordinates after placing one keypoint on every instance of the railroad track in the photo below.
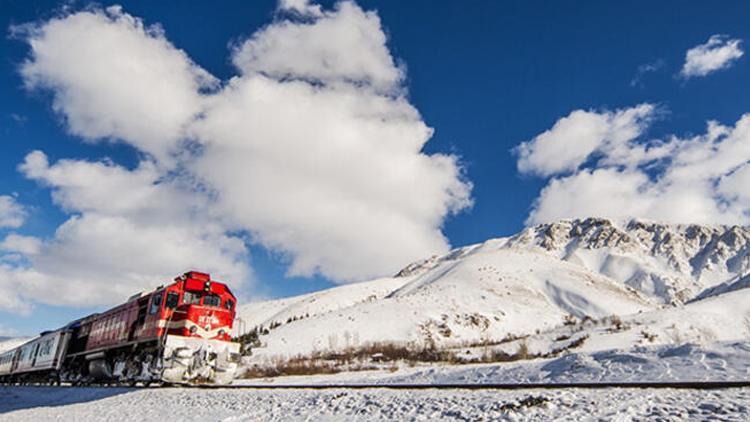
(692, 385)
(703, 385)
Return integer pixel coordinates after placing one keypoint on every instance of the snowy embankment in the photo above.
(581, 286)
(685, 363)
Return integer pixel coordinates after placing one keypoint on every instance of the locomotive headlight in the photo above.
(222, 332)
(193, 329)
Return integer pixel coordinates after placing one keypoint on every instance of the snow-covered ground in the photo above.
(116, 404)
(663, 363)
(685, 363)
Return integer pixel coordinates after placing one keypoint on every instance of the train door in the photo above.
(34, 354)
(16, 358)
(140, 319)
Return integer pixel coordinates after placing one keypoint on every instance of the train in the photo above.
(179, 333)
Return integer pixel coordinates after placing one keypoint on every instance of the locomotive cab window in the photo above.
(155, 304)
(212, 300)
(173, 299)
(229, 304)
(191, 298)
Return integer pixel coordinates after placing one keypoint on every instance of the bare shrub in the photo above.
(651, 337)
(291, 367)
(616, 324)
(377, 356)
(523, 351)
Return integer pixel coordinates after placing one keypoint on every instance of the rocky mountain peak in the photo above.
(673, 262)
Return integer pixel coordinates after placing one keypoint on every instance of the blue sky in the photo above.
(486, 76)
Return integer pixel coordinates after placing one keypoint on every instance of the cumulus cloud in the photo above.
(315, 150)
(312, 151)
(128, 230)
(12, 214)
(339, 185)
(572, 140)
(121, 80)
(27, 245)
(344, 45)
(301, 7)
(719, 52)
(698, 179)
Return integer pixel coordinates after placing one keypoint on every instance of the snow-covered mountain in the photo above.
(671, 262)
(8, 343)
(532, 285)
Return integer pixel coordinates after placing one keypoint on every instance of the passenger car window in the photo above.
(155, 304)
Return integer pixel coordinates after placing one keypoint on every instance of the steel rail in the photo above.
(703, 385)
(684, 385)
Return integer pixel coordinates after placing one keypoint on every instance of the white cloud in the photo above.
(96, 259)
(105, 188)
(129, 230)
(12, 214)
(735, 185)
(115, 78)
(719, 52)
(574, 138)
(312, 151)
(644, 69)
(302, 7)
(332, 176)
(344, 45)
(27, 245)
(700, 179)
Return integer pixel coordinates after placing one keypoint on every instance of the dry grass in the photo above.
(388, 356)
(291, 367)
(376, 356)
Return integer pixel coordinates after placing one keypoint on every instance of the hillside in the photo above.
(7, 343)
(538, 285)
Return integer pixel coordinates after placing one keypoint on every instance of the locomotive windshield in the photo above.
(191, 298)
(212, 300)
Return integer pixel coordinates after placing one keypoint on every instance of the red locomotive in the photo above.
(179, 333)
